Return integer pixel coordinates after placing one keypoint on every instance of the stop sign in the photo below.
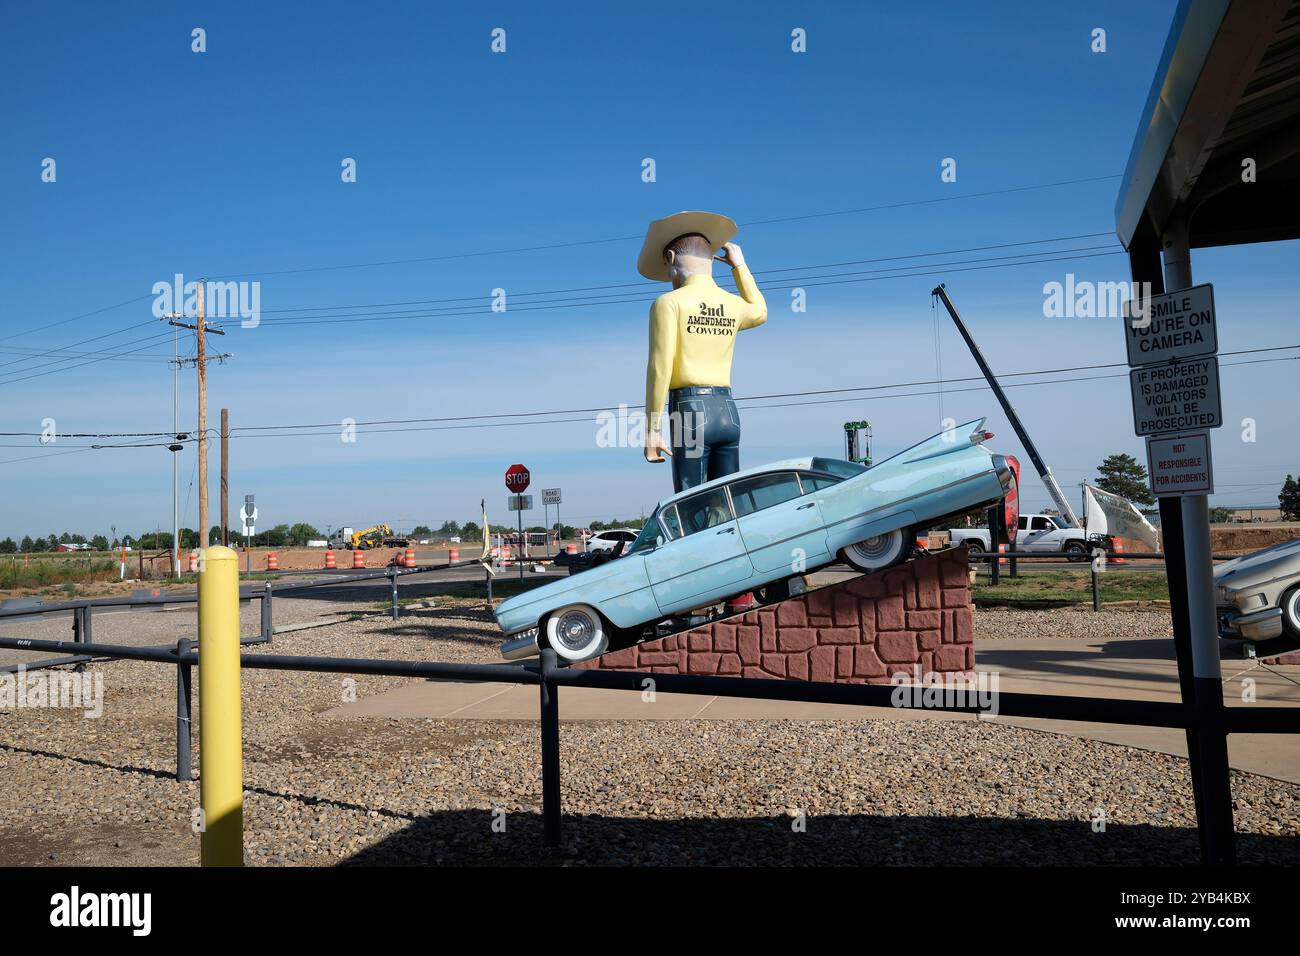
(517, 479)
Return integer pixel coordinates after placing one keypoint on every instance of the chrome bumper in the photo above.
(1256, 626)
(517, 648)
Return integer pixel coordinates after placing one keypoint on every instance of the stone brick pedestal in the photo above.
(861, 631)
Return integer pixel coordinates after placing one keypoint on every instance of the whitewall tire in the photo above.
(577, 632)
(879, 552)
(1290, 605)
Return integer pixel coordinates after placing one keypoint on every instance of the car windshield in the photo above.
(1059, 522)
(841, 469)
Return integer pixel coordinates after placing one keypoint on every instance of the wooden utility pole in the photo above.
(201, 362)
(225, 477)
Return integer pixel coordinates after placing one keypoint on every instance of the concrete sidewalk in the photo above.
(1121, 668)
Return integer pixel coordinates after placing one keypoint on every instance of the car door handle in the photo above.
(727, 531)
(808, 505)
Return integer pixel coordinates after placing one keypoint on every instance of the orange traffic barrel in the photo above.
(194, 561)
(410, 558)
(453, 555)
(572, 548)
(272, 561)
(923, 541)
(1118, 556)
(1002, 549)
(358, 558)
(329, 559)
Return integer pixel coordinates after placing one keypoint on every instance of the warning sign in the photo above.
(1178, 397)
(1180, 465)
(1172, 326)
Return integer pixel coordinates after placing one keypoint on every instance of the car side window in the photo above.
(706, 510)
(1041, 524)
(816, 482)
(668, 518)
(1023, 523)
(763, 491)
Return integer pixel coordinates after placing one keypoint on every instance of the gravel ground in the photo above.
(375, 791)
(994, 624)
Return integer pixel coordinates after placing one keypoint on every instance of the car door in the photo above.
(707, 562)
(780, 525)
(1037, 537)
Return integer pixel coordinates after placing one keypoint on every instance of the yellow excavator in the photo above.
(380, 536)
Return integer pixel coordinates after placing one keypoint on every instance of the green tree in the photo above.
(1220, 515)
(28, 545)
(1288, 499)
(302, 532)
(1123, 475)
(99, 543)
(470, 529)
(8, 546)
(421, 531)
(65, 538)
(214, 534)
(450, 528)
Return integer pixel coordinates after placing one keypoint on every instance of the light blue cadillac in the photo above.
(756, 530)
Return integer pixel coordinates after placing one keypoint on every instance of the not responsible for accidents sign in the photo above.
(1178, 397)
(1180, 465)
(1172, 326)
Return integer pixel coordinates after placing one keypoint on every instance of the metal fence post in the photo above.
(550, 722)
(995, 563)
(1096, 580)
(183, 723)
(392, 577)
(267, 627)
(487, 573)
(79, 632)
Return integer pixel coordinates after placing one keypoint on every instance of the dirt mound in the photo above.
(1244, 540)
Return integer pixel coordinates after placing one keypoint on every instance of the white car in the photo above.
(611, 539)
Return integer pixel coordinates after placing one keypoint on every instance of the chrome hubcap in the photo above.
(875, 549)
(575, 630)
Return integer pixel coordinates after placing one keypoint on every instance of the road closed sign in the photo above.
(1177, 397)
(1180, 465)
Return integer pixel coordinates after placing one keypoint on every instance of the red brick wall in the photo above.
(860, 631)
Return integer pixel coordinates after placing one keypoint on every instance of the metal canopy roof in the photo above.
(1227, 89)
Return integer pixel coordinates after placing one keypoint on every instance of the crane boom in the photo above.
(1045, 473)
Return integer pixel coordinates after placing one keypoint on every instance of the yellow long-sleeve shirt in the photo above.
(693, 334)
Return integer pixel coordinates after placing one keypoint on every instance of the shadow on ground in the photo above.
(466, 837)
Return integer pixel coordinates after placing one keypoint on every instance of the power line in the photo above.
(333, 426)
(544, 307)
(592, 242)
(579, 243)
(646, 285)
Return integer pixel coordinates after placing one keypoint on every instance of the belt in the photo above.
(702, 390)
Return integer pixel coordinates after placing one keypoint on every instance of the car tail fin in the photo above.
(951, 439)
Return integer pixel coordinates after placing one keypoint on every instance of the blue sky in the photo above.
(227, 163)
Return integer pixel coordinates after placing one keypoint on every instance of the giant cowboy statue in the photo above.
(692, 336)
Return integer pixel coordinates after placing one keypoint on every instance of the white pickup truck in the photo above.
(1035, 533)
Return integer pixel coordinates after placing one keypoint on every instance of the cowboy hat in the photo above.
(717, 229)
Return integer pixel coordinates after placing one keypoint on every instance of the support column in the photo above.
(1214, 802)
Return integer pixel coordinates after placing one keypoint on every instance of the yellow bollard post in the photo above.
(221, 743)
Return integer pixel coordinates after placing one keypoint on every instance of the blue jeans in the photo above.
(705, 433)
